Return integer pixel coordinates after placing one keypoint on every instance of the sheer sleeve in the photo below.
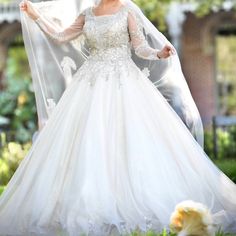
(138, 41)
(62, 36)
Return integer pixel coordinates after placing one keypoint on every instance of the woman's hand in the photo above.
(27, 7)
(167, 51)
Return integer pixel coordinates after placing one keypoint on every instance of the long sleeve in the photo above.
(70, 33)
(138, 41)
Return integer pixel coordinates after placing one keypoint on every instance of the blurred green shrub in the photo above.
(2, 189)
(228, 166)
(11, 154)
(17, 100)
(226, 143)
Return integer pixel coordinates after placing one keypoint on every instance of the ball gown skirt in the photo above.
(112, 156)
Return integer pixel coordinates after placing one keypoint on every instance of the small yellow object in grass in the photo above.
(191, 218)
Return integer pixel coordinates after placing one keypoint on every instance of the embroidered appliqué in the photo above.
(67, 65)
(146, 72)
(50, 106)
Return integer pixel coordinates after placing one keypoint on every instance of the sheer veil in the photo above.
(53, 65)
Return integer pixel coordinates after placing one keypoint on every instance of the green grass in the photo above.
(165, 233)
(222, 234)
(151, 233)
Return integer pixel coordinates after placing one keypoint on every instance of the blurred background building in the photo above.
(207, 51)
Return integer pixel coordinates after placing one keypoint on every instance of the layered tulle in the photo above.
(113, 156)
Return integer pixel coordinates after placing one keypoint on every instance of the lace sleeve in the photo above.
(62, 36)
(138, 41)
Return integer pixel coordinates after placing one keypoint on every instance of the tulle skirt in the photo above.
(113, 156)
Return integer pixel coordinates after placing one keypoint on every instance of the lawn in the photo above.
(150, 233)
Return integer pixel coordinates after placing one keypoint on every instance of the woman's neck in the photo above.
(108, 2)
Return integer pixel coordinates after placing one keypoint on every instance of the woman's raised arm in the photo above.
(140, 44)
(70, 33)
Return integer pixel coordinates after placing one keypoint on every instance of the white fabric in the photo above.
(106, 161)
(62, 20)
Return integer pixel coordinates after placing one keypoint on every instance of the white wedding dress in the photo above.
(113, 155)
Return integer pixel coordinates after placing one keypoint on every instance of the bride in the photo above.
(114, 151)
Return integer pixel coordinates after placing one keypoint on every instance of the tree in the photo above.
(206, 6)
(156, 10)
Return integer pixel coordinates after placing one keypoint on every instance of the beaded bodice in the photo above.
(107, 36)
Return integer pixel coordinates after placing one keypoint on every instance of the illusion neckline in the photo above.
(105, 15)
